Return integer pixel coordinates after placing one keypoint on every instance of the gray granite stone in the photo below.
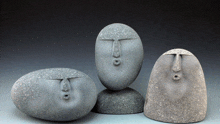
(176, 91)
(118, 56)
(55, 94)
(126, 101)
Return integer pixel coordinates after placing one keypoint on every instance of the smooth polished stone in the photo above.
(176, 91)
(55, 94)
(126, 101)
(118, 56)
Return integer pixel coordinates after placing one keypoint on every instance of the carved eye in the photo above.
(181, 55)
(60, 80)
(107, 40)
(72, 78)
(174, 55)
(125, 39)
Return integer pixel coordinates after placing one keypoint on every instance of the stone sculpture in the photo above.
(126, 101)
(176, 91)
(55, 94)
(118, 55)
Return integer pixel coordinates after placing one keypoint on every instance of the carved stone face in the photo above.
(118, 55)
(52, 93)
(176, 91)
(178, 86)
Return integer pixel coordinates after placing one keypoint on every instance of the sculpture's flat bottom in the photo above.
(126, 101)
(171, 121)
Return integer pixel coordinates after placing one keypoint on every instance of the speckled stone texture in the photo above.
(177, 91)
(126, 101)
(118, 56)
(55, 94)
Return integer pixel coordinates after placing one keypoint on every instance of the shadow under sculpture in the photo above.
(176, 91)
(55, 94)
(118, 57)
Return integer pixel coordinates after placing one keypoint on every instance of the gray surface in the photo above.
(176, 91)
(55, 94)
(44, 34)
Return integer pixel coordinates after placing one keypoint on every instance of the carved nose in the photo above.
(177, 63)
(116, 49)
(65, 85)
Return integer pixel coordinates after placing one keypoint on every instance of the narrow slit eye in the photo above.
(174, 55)
(125, 39)
(64, 78)
(60, 80)
(69, 79)
(107, 39)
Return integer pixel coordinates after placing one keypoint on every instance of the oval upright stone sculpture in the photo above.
(118, 56)
(177, 91)
(55, 94)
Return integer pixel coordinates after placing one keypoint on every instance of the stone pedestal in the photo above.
(126, 101)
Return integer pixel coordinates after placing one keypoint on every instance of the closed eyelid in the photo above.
(118, 39)
(107, 39)
(181, 55)
(126, 39)
(72, 78)
(64, 78)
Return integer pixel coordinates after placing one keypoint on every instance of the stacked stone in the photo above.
(119, 55)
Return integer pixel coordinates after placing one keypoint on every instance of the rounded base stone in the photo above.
(126, 101)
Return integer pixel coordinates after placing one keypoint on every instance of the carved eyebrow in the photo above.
(118, 39)
(107, 39)
(126, 39)
(183, 54)
(63, 78)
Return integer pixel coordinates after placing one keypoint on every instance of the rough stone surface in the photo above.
(126, 101)
(56, 94)
(177, 91)
(118, 55)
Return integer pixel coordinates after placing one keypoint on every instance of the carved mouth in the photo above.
(116, 62)
(176, 77)
(66, 96)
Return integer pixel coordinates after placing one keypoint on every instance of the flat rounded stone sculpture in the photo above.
(177, 91)
(55, 94)
(126, 101)
(118, 56)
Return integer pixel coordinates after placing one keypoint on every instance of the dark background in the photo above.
(38, 34)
